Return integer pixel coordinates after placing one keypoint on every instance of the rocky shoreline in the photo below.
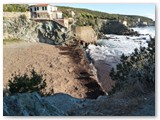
(31, 104)
(79, 84)
(86, 97)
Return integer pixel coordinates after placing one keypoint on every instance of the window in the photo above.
(42, 8)
(31, 9)
(45, 8)
(37, 8)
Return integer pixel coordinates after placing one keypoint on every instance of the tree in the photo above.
(24, 83)
(136, 69)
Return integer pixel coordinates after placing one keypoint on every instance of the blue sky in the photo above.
(147, 10)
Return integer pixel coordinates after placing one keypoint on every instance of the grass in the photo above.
(11, 41)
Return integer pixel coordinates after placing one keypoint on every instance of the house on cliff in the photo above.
(47, 12)
(125, 23)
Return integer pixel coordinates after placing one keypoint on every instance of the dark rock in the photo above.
(115, 27)
(29, 104)
(34, 31)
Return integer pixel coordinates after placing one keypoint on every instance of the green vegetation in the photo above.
(15, 7)
(85, 15)
(137, 71)
(10, 41)
(24, 83)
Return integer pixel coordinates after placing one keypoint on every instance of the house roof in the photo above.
(39, 5)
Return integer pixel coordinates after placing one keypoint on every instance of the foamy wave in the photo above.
(110, 50)
(146, 30)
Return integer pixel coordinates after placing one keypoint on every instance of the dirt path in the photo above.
(61, 68)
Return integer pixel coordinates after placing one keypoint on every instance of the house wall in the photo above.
(86, 34)
(53, 8)
(43, 15)
(125, 23)
(54, 15)
(51, 12)
(66, 22)
(49, 8)
(40, 9)
(145, 23)
(41, 12)
(59, 15)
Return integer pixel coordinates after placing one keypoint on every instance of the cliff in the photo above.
(67, 72)
(86, 34)
(20, 27)
(74, 93)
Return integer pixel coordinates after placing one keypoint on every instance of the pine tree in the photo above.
(138, 68)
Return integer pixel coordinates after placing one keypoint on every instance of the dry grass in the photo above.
(11, 41)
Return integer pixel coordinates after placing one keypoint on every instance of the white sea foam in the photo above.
(110, 50)
(145, 30)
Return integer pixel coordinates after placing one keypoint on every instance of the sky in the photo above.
(147, 10)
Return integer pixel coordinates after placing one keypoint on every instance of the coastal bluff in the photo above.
(86, 34)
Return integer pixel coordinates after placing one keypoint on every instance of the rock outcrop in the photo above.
(20, 28)
(29, 30)
(115, 27)
(31, 104)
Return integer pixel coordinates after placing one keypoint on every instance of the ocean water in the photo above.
(145, 30)
(110, 50)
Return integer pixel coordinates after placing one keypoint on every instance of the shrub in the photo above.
(24, 83)
(23, 17)
(15, 7)
(11, 40)
(138, 69)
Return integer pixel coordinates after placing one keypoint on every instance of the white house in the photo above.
(145, 23)
(125, 23)
(45, 11)
(72, 13)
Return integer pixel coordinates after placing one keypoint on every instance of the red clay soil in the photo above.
(65, 68)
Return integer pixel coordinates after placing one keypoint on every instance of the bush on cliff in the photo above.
(24, 83)
(15, 7)
(137, 71)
